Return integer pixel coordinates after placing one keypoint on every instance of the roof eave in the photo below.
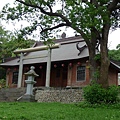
(117, 66)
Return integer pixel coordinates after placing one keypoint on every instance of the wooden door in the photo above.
(58, 77)
(41, 78)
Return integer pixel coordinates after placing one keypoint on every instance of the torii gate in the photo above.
(33, 50)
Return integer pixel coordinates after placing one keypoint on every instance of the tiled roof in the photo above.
(67, 51)
(62, 40)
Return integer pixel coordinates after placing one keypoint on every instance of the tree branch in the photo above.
(55, 27)
(47, 13)
(117, 7)
(84, 1)
(113, 5)
(95, 2)
(50, 8)
(82, 34)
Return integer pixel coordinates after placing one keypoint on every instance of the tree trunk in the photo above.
(104, 67)
(92, 53)
(92, 63)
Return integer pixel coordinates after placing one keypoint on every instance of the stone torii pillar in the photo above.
(33, 50)
(20, 71)
(47, 84)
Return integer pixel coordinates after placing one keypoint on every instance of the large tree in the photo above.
(91, 19)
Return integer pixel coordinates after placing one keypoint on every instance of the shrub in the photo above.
(2, 73)
(2, 83)
(95, 93)
(111, 94)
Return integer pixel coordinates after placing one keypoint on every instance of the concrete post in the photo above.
(20, 71)
(48, 69)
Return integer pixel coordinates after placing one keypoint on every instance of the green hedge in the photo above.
(95, 93)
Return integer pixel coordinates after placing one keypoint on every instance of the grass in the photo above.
(58, 111)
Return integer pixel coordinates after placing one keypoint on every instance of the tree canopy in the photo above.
(81, 15)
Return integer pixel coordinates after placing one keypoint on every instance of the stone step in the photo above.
(11, 94)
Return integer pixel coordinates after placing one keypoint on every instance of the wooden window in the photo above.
(15, 78)
(80, 73)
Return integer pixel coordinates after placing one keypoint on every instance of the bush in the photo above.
(95, 93)
(2, 73)
(2, 83)
(111, 94)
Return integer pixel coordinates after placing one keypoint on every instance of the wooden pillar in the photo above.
(20, 71)
(47, 84)
(87, 70)
(69, 80)
(7, 79)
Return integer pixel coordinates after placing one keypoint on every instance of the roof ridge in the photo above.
(62, 40)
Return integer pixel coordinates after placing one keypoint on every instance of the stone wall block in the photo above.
(65, 96)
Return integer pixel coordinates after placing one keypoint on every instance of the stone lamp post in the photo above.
(28, 96)
(30, 81)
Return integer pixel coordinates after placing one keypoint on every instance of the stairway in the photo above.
(11, 94)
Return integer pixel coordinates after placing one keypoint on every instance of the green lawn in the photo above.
(57, 111)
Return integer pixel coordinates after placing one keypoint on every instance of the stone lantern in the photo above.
(30, 81)
(28, 96)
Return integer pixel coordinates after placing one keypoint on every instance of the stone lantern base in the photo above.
(27, 98)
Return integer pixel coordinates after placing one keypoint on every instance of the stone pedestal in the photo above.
(29, 90)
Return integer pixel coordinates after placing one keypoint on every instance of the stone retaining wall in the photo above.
(65, 96)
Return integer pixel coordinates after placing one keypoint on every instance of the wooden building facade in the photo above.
(69, 68)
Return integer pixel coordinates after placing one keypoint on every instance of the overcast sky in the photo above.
(114, 37)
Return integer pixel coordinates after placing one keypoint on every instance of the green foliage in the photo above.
(97, 74)
(93, 93)
(2, 73)
(111, 94)
(96, 94)
(118, 46)
(97, 57)
(115, 54)
(2, 83)
(78, 14)
(49, 42)
(9, 42)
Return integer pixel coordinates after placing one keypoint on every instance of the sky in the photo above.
(114, 36)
